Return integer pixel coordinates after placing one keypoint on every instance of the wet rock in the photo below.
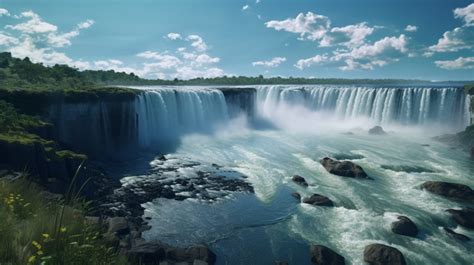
(449, 190)
(322, 255)
(148, 253)
(378, 254)
(191, 254)
(297, 196)
(472, 152)
(404, 226)
(281, 263)
(343, 168)
(455, 235)
(318, 200)
(464, 217)
(117, 225)
(162, 158)
(299, 180)
(377, 130)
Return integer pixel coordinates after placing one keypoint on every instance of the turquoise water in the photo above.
(271, 225)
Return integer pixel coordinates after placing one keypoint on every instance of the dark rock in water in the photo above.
(455, 235)
(191, 254)
(322, 255)
(162, 158)
(347, 156)
(408, 169)
(148, 253)
(425, 145)
(299, 180)
(348, 133)
(464, 217)
(296, 195)
(343, 168)
(449, 190)
(472, 152)
(378, 254)
(404, 226)
(377, 130)
(318, 200)
(281, 263)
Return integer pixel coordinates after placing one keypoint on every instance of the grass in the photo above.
(36, 230)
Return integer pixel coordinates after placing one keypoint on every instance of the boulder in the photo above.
(191, 254)
(404, 226)
(281, 263)
(322, 255)
(450, 190)
(117, 225)
(343, 168)
(377, 130)
(296, 195)
(455, 235)
(464, 217)
(318, 200)
(378, 254)
(299, 180)
(147, 253)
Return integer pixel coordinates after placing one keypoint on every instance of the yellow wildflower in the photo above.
(36, 244)
(32, 259)
(39, 253)
(45, 235)
(63, 229)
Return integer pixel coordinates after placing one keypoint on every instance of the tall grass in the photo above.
(35, 230)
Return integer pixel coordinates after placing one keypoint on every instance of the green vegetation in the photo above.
(39, 231)
(469, 89)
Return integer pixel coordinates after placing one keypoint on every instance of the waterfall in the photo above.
(384, 105)
(166, 113)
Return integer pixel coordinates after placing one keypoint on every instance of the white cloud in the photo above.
(4, 12)
(206, 59)
(459, 63)
(350, 36)
(245, 7)
(466, 13)
(457, 39)
(303, 63)
(64, 39)
(257, 1)
(33, 25)
(275, 62)
(411, 28)
(310, 26)
(86, 24)
(6, 40)
(197, 42)
(366, 56)
(173, 36)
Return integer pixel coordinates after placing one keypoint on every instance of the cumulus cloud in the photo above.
(245, 7)
(460, 38)
(459, 63)
(303, 63)
(4, 12)
(411, 28)
(197, 42)
(466, 14)
(39, 40)
(309, 26)
(366, 56)
(457, 39)
(173, 36)
(275, 62)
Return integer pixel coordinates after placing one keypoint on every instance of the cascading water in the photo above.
(400, 105)
(166, 113)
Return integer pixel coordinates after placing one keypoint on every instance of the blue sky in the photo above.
(422, 39)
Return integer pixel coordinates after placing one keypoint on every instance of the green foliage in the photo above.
(12, 121)
(469, 89)
(32, 233)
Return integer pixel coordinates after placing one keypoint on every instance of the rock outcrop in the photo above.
(318, 200)
(377, 130)
(455, 235)
(464, 217)
(299, 180)
(322, 255)
(343, 168)
(378, 254)
(404, 226)
(449, 190)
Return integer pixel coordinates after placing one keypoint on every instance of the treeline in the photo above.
(23, 74)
